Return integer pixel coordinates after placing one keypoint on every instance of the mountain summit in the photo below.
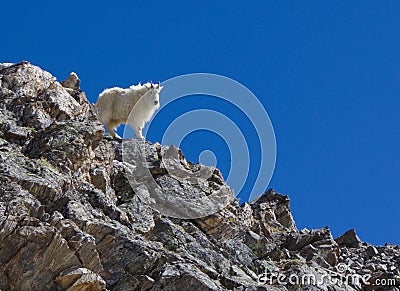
(70, 219)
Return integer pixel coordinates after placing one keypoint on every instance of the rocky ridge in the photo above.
(69, 219)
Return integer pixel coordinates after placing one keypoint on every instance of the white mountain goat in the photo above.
(114, 106)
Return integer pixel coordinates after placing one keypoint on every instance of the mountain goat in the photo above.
(115, 105)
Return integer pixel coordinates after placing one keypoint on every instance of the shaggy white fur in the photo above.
(115, 105)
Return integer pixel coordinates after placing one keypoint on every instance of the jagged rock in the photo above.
(72, 82)
(371, 251)
(162, 177)
(99, 178)
(35, 97)
(29, 255)
(17, 133)
(82, 243)
(182, 276)
(75, 213)
(332, 259)
(81, 279)
(272, 216)
(349, 239)
(297, 241)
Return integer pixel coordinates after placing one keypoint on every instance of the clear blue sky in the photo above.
(327, 72)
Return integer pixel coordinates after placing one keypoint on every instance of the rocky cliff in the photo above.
(69, 219)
